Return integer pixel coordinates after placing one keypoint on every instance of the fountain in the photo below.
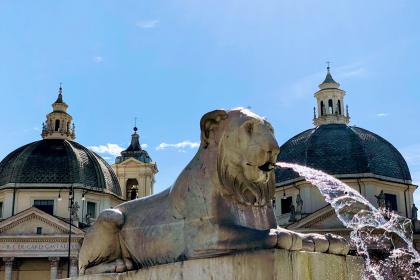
(371, 227)
(217, 221)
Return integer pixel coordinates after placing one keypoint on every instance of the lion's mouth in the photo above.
(266, 167)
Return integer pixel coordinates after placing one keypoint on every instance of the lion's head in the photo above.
(247, 151)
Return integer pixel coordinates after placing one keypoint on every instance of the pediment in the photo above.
(326, 223)
(132, 162)
(324, 218)
(26, 223)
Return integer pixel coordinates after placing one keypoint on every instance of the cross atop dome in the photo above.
(60, 95)
(135, 125)
(59, 123)
(330, 102)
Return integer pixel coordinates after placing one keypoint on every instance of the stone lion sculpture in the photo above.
(219, 204)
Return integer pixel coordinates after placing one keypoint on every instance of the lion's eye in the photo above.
(249, 128)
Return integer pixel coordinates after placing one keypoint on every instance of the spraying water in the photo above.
(389, 233)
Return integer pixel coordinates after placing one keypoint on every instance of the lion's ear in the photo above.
(208, 122)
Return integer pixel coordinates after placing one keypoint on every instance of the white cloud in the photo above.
(381, 115)
(180, 146)
(147, 24)
(109, 149)
(98, 59)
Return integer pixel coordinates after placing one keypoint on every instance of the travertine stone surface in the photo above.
(262, 264)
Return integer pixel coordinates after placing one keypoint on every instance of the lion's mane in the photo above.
(237, 187)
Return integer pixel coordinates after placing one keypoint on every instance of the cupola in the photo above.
(59, 123)
(330, 103)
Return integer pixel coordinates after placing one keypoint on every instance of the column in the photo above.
(8, 267)
(73, 267)
(54, 261)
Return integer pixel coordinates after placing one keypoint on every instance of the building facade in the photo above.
(52, 190)
(360, 158)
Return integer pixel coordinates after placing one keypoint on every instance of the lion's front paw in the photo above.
(328, 243)
(311, 242)
(288, 240)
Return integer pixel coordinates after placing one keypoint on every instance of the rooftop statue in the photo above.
(220, 204)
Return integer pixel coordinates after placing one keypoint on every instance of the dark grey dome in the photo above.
(58, 161)
(338, 149)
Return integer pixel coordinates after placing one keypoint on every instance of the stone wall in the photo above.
(263, 264)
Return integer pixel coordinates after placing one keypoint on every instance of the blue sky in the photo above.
(169, 62)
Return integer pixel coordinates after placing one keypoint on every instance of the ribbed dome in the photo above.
(338, 149)
(58, 161)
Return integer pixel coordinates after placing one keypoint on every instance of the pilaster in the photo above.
(74, 266)
(8, 267)
(54, 261)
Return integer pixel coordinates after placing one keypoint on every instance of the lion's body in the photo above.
(220, 203)
(149, 224)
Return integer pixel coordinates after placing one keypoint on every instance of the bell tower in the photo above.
(330, 103)
(135, 170)
(59, 123)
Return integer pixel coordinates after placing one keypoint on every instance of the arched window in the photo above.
(132, 188)
(339, 107)
(57, 125)
(322, 108)
(330, 106)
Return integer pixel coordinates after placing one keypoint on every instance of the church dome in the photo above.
(58, 161)
(339, 149)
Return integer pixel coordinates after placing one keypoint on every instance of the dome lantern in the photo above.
(59, 123)
(330, 103)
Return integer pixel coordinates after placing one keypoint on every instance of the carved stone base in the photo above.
(263, 264)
